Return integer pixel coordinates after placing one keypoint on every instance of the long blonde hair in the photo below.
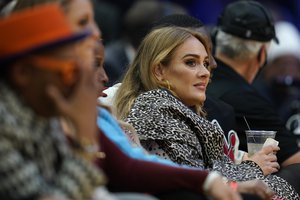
(158, 47)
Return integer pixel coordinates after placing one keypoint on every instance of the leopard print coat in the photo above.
(186, 138)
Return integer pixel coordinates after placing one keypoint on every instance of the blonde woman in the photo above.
(162, 96)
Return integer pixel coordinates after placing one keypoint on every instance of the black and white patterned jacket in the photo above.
(35, 160)
(170, 129)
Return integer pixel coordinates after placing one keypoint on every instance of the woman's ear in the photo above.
(20, 74)
(158, 72)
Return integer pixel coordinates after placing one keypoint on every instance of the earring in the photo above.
(168, 85)
(165, 84)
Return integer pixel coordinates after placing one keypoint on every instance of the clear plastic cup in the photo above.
(256, 139)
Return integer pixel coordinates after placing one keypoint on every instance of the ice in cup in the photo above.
(256, 139)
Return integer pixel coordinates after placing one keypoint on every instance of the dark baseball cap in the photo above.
(248, 20)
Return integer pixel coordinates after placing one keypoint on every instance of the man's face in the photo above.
(100, 74)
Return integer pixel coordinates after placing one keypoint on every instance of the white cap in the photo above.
(289, 41)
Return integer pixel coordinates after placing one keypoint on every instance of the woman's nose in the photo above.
(213, 62)
(95, 31)
(104, 76)
(203, 72)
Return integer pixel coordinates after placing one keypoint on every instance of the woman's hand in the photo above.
(219, 190)
(266, 159)
(80, 106)
(53, 198)
(255, 187)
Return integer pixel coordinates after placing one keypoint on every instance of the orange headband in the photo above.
(35, 29)
(66, 67)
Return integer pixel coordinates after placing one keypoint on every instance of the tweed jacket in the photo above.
(169, 128)
(34, 157)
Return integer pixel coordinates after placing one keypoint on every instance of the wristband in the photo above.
(86, 149)
(233, 185)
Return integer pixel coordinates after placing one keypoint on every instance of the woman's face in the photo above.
(81, 17)
(187, 72)
(39, 73)
(101, 76)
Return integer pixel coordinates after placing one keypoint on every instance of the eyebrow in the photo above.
(194, 55)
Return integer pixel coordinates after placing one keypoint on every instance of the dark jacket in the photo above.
(217, 109)
(231, 88)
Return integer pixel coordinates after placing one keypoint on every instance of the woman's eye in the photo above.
(83, 22)
(191, 63)
(98, 62)
(206, 64)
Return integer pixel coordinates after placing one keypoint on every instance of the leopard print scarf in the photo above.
(158, 115)
(186, 138)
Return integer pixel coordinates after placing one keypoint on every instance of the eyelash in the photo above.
(83, 22)
(206, 64)
(193, 63)
(190, 63)
(98, 62)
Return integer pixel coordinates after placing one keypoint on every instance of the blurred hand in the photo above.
(80, 106)
(219, 190)
(266, 159)
(255, 187)
(53, 198)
